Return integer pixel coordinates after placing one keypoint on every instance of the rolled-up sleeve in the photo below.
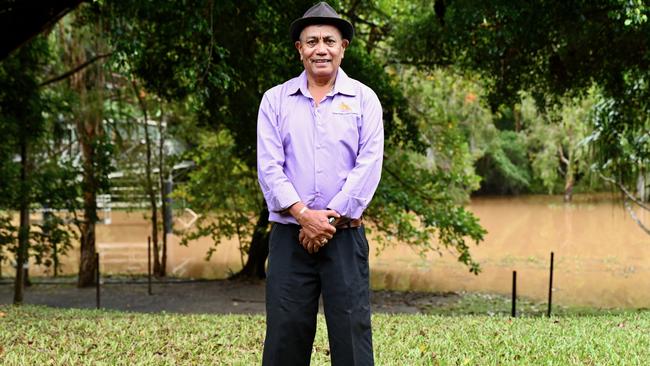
(278, 191)
(363, 179)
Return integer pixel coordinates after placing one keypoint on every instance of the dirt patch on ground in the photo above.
(220, 296)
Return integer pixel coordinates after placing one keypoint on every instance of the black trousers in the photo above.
(296, 279)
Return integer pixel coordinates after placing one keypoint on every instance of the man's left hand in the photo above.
(311, 246)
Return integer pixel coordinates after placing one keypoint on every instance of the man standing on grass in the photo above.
(320, 143)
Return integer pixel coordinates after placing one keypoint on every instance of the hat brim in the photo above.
(346, 29)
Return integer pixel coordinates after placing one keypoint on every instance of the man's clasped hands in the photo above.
(316, 228)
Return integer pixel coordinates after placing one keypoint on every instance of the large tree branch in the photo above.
(562, 157)
(635, 217)
(627, 193)
(357, 19)
(69, 73)
(423, 195)
(21, 20)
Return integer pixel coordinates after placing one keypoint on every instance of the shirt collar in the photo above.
(343, 84)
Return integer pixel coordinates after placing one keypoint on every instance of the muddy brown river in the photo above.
(602, 258)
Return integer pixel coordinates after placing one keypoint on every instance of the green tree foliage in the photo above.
(420, 195)
(21, 105)
(82, 75)
(30, 174)
(546, 46)
(505, 167)
(233, 195)
(171, 46)
(7, 237)
(224, 55)
(552, 50)
(556, 137)
(218, 58)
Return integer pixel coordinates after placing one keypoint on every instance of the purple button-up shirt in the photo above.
(328, 156)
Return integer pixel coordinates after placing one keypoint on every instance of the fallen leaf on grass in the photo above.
(621, 325)
(326, 351)
(2, 315)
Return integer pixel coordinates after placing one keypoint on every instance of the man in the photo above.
(319, 149)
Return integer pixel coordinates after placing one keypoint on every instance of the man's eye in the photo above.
(330, 42)
(311, 43)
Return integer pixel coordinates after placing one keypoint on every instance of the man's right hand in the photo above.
(315, 224)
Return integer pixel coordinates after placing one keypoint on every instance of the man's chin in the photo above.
(323, 71)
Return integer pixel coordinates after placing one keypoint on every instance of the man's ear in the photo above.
(344, 44)
(298, 47)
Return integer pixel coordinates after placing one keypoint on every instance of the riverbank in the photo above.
(247, 297)
(199, 297)
(601, 257)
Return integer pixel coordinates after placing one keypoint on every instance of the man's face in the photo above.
(321, 49)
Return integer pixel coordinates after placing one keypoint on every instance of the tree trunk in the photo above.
(570, 175)
(259, 250)
(149, 184)
(88, 83)
(163, 196)
(23, 232)
(154, 207)
(87, 265)
(569, 178)
(569, 182)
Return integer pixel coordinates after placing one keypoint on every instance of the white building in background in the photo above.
(127, 182)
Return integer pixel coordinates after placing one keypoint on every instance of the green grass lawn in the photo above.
(31, 335)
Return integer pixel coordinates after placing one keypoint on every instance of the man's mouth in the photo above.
(320, 61)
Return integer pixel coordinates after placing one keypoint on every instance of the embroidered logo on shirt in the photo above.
(344, 107)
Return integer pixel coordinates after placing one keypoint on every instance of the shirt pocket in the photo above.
(344, 134)
(346, 118)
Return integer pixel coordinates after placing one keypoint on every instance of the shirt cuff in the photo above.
(282, 198)
(348, 206)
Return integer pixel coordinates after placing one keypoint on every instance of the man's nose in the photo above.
(320, 48)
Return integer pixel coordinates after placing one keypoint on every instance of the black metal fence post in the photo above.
(97, 280)
(149, 263)
(513, 313)
(550, 288)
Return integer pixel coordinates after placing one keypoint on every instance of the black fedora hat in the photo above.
(321, 13)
